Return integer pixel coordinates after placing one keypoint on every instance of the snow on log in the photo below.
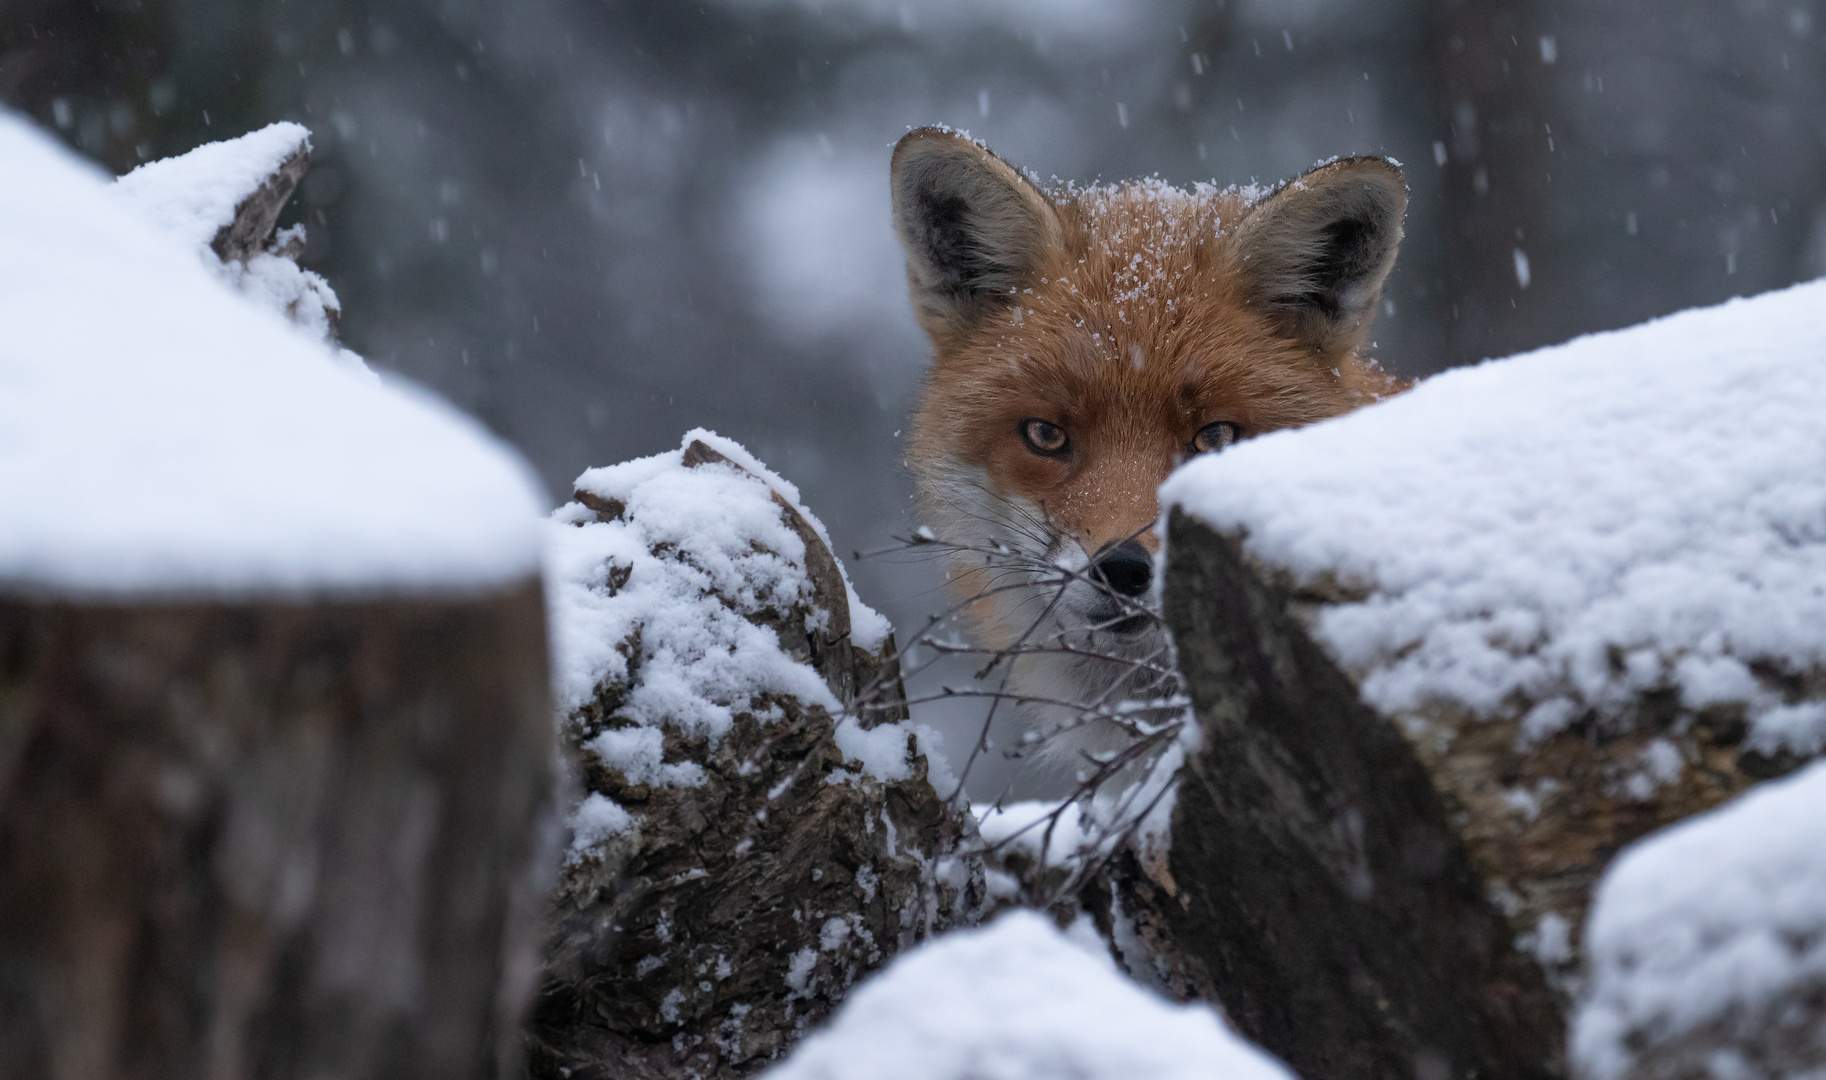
(223, 201)
(1706, 946)
(1455, 650)
(752, 835)
(164, 435)
(1018, 1000)
(274, 704)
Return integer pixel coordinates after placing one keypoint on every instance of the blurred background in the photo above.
(595, 224)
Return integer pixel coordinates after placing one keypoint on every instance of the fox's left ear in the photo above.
(1316, 251)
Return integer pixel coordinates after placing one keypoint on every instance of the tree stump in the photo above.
(1315, 885)
(223, 200)
(275, 707)
(1706, 949)
(739, 883)
(1445, 675)
(276, 839)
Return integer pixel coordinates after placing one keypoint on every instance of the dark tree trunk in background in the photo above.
(1644, 157)
(1315, 885)
(100, 74)
(282, 839)
(1492, 95)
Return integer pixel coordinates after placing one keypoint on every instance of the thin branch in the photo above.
(1142, 706)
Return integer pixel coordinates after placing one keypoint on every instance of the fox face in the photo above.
(1088, 340)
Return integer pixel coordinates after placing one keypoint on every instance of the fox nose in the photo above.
(1125, 568)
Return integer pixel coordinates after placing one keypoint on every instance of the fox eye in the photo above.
(1044, 437)
(1214, 437)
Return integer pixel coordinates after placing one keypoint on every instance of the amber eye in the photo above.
(1214, 437)
(1044, 437)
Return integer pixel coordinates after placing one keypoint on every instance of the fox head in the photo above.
(1088, 340)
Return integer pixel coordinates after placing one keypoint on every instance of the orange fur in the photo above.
(1129, 280)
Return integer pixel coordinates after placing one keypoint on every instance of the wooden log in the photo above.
(256, 215)
(275, 725)
(728, 915)
(1315, 884)
(1452, 680)
(225, 198)
(269, 838)
(1705, 946)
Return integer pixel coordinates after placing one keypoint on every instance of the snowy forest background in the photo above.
(595, 225)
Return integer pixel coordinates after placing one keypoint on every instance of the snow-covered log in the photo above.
(1453, 651)
(274, 703)
(223, 200)
(1314, 882)
(1707, 946)
(752, 836)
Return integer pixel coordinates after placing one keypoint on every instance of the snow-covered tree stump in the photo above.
(275, 734)
(753, 837)
(1452, 652)
(274, 839)
(1707, 946)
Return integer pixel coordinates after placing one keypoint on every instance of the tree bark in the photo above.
(270, 838)
(736, 914)
(257, 214)
(1315, 884)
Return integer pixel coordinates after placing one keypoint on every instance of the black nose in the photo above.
(1126, 568)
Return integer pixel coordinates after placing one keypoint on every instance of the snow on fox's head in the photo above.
(1087, 340)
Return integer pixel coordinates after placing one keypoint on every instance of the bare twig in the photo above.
(1142, 707)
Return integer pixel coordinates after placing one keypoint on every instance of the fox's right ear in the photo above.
(973, 228)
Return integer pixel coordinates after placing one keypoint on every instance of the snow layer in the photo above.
(695, 552)
(193, 197)
(1018, 832)
(159, 434)
(1017, 1000)
(300, 295)
(1024, 827)
(595, 819)
(1630, 510)
(1719, 918)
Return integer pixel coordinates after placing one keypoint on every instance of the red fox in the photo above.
(1088, 340)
